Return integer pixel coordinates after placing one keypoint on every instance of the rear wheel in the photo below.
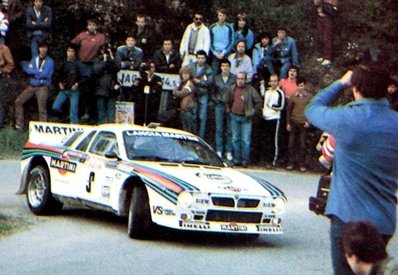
(38, 196)
(140, 224)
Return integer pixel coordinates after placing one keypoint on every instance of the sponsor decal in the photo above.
(146, 133)
(215, 177)
(233, 227)
(55, 130)
(195, 225)
(159, 210)
(106, 193)
(265, 228)
(202, 201)
(63, 166)
(233, 189)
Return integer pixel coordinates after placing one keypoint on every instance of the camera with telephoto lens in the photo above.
(318, 203)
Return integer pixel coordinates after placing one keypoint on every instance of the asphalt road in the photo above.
(88, 242)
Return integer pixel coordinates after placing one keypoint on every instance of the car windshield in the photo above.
(169, 147)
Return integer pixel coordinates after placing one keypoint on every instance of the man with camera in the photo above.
(365, 166)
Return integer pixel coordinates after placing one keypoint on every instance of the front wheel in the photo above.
(140, 224)
(38, 196)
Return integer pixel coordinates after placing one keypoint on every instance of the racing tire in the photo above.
(140, 225)
(38, 195)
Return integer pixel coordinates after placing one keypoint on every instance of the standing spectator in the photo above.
(241, 62)
(70, 78)
(242, 32)
(144, 35)
(40, 69)
(274, 103)
(324, 26)
(262, 56)
(6, 67)
(289, 84)
(128, 56)
(222, 39)
(297, 126)
(149, 89)
(244, 101)
(196, 37)
(365, 250)
(285, 51)
(223, 83)
(203, 80)
(185, 92)
(39, 19)
(167, 60)
(3, 24)
(89, 42)
(105, 70)
(392, 94)
(365, 174)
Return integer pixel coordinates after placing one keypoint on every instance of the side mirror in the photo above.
(112, 155)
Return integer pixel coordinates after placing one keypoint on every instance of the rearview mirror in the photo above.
(112, 155)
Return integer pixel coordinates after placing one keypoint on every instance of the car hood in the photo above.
(210, 179)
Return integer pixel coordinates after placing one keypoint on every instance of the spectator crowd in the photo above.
(253, 88)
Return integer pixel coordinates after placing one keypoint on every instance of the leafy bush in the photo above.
(12, 142)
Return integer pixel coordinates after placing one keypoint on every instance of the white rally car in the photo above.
(151, 174)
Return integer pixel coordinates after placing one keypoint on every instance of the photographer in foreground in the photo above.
(364, 181)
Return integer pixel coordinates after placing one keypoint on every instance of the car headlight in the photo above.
(185, 199)
(279, 205)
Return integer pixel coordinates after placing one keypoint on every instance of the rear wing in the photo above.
(52, 133)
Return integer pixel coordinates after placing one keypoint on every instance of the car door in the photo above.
(98, 172)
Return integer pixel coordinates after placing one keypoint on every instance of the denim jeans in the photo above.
(34, 44)
(339, 261)
(241, 127)
(106, 109)
(200, 114)
(223, 132)
(187, 121)
(284, 69)
(73, 96)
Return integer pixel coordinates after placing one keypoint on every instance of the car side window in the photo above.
(82, 146)
(104, 142)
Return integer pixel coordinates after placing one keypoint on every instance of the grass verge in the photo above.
(11, 142)
(10, 224)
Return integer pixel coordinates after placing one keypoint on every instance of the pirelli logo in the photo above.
(63, 165)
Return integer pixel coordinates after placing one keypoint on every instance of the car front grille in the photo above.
(230, 202)
(233, 216)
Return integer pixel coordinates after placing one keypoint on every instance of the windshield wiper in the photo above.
(194, 161)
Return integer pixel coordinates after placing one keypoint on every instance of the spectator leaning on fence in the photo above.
(40, 70)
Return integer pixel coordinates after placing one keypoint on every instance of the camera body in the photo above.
(318, 203)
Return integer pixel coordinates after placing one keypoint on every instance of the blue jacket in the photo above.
(129, 58)
(365, 167)
(222, 38)
(258, 55)
(39, 76)
(249, 38)
(286, 51)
